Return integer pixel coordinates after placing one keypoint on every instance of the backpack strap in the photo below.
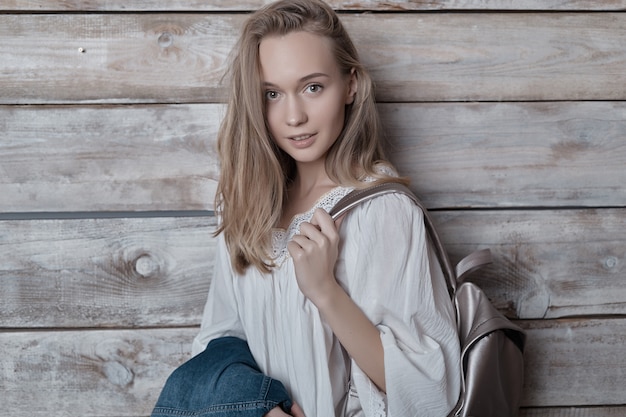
(360, 195)
(472, 262)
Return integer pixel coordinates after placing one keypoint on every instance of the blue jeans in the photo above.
(222, 381)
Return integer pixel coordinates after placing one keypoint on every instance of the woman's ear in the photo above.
(352, 86)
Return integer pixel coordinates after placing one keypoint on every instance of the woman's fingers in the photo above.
(277, 412)
(324, 221)
(296, 411)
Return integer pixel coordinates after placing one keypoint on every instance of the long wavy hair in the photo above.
(254, 172)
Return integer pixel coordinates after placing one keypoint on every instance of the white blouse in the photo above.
(388, 269)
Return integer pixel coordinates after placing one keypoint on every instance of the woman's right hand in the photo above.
(296, 411)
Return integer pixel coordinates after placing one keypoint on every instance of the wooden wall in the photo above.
(510, 117)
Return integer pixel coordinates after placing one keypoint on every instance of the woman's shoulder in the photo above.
(390, 207)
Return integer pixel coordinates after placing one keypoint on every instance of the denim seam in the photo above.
(241, 406)
(265, 387)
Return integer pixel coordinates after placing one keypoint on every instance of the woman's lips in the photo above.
(303, 141)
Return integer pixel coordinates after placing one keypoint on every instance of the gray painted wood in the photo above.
(226, 5)
(156, 58)
(120, 372)
(105, 272)
(124, 158)
(458, 155)
(156, 271)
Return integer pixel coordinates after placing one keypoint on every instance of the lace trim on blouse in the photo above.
(378, 403)
(280, 237)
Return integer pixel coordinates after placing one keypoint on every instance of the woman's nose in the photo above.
(296, 114)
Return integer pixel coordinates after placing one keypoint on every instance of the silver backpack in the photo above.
(491, 346)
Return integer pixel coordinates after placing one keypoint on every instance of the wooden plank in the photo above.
(156, 272)
(88, 373)
(105, 272)
(129, 58)
(547, 264)
(574, 412)
(247, 5)
(115, 373)
(162, 157)
(477, 57)
(575, 362)
(114, 58)
(108, 158)
(511, 154)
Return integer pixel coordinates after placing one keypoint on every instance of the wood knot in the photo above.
(534, 304)
(610, 262)
(146, 266)
(117, 373)
(165, 40)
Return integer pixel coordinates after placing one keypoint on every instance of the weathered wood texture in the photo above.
(511, 125)
(128, 273)
(65, 158)
(162, 157)
(569, 363)
(363, 5)
(546, 263)
(413, 57)
(573, 412)
(88, 373)
(575, 362)
(156, 271)
(511, 154)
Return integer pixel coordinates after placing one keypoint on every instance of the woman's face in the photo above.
(305, 94)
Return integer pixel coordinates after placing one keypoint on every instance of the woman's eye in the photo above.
(314, 88)
(271, 95)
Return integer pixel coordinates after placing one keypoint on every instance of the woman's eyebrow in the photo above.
(314, 75)
(303, 79)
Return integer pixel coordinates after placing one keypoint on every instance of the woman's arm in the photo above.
(220, 316)
(296, 411)
(314, 252)
(357, 334)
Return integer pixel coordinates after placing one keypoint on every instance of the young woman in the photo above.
(353, 317)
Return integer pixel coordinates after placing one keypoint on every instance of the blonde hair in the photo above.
(255, 173)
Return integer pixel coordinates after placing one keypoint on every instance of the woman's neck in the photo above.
(310, 179)
(308, 186)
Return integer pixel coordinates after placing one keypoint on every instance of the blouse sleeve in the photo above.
(220, 316)
(393, 275)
